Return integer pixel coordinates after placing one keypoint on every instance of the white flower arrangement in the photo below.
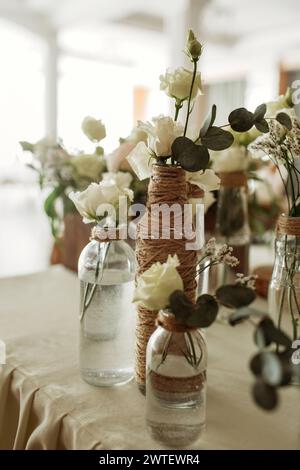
(155, 285)
(99, 196)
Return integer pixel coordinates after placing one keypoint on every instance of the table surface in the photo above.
(44, 404)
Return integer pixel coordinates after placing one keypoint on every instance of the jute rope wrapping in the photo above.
(169, 323)
(288, 225)
(233, 179)
(167, 186)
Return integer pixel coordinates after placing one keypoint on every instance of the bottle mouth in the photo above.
(166, 319)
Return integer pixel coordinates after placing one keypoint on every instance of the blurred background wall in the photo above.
(63, 59)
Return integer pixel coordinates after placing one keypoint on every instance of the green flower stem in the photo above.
(178, 106)
(190, 95)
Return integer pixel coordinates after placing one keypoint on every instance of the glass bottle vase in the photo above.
(284, 287)
(106, 272)
(176, 383)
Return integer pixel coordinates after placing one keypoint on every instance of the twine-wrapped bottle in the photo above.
(156, 240)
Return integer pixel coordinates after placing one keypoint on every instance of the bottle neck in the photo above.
(100, 233)
(167, 321)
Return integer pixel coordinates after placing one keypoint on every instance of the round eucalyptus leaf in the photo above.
(180, 305)
(272, 334)
(262, 126)
(259, 338)
(194, 158)
(256, 364)
(240, 315)
(260, 112)
(285, 120)
(180, 144)
(272, 371)
(264, 395)
(205, 312)
(217, 139)
(235, 295)
(241, 120)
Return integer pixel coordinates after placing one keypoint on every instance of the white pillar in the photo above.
(186, 16)
(51, 60)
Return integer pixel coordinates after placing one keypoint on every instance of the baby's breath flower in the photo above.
(247, 281)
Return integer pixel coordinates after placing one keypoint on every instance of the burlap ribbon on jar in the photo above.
(288, 225)
(233, 179)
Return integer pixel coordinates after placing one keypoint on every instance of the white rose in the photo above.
(139, 160)
(93, 129)
(122, 179)
(88, 166)
(177, 83)
(233, 159)
(161, 134)
(206, 180)
(88, 202)
(155, 285)
(137, 135)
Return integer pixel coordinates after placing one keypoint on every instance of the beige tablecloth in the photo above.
(45, 405)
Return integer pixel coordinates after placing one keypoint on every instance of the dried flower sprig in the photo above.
(212, 254)
(282, 147)
(248, 281)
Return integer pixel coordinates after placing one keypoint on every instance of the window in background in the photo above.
(227, 96)
(87, 87)
(22, 88)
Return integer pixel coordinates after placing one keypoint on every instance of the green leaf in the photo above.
(209, 120)
(235, 295)
(285, 120)
(180, 305)
(264, 395)
(50, 209)
(262, 126)
(27, 146)
(267, 333)
(241, 120)
(256, 364)
(190, 156)
(205, 312)
(217, 139)
(260, 112)
(297, 210)
(271, 369)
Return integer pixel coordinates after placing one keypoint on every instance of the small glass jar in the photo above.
(284, 287)
(106, 271)
(175, 383)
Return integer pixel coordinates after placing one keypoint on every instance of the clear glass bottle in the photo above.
(284, 287)
(106, 271)
(176, 383)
